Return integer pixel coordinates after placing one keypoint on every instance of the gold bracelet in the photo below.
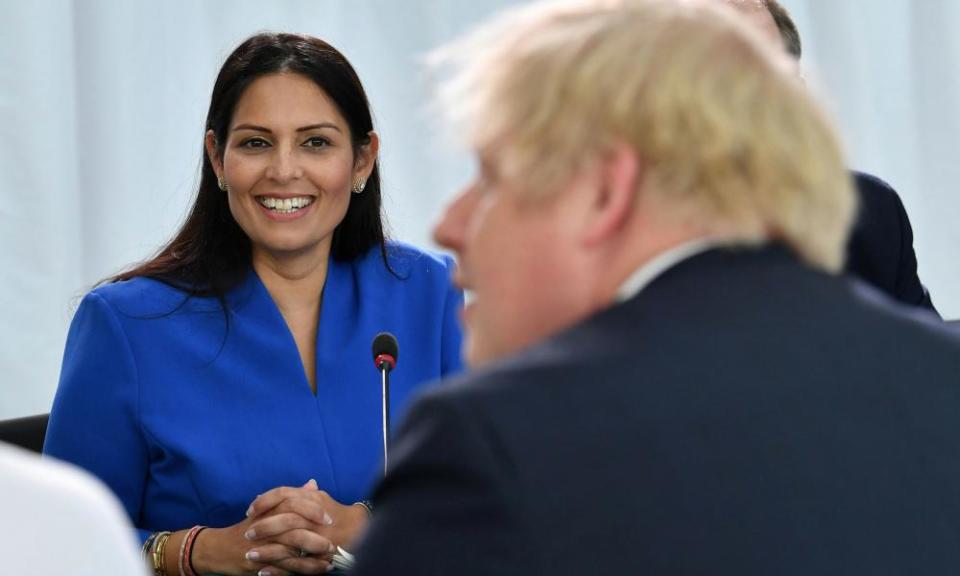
(159, 561)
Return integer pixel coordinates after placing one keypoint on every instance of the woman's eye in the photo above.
(254, 143)
(316, 142)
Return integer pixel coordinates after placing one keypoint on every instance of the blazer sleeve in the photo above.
(880, 250)
(443, 508)
(94, 422)
(451, 343)
(909, 288)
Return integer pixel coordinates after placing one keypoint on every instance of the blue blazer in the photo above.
(188, 415)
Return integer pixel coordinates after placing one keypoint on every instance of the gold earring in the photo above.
(222, 184)
(358, 185)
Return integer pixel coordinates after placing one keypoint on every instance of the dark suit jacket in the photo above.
(880, 251)
(743, 414)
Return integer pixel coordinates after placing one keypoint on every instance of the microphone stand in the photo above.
(384, 365)
(385, 353)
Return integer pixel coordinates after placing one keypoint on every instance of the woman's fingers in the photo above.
(298, 542)
(298, 551)
(313, 514)
(314, 508)
(271, 526)
(271, 498)
(272, 571)
(308, 565)
(317, 510)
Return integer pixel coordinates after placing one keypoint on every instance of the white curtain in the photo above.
(102, 105)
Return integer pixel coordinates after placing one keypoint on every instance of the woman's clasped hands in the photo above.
(288, 530)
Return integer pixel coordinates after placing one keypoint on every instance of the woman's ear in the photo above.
(367, 156)
(615, 195)
(213, 153)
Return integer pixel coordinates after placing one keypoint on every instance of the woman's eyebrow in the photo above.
(319, 126)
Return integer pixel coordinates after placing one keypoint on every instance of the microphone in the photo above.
(386, 350)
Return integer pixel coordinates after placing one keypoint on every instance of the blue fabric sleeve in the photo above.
(94, 422)
(451, 359)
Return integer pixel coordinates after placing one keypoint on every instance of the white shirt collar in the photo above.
(646, 273)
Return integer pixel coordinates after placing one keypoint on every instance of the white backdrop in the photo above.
(102, 105)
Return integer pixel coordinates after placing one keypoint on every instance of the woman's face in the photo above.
(289, 165)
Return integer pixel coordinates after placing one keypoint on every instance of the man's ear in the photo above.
(210, 143)
(618, 175)
(367, 156)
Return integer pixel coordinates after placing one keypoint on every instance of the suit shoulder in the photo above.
(409, 256)
(871, 181)
(513, 380)
(485, 411)
(876, 193)
(406, 265)
(139, 296)
(877, 308)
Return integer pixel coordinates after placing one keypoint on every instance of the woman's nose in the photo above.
(284, 165)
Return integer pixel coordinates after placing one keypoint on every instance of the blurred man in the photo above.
(669, 376)
(880, 250)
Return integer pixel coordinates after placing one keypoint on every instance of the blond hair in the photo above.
(724, 129)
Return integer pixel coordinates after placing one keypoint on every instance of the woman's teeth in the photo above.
(285, 205)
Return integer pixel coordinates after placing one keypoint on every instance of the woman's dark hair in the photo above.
(210, 253)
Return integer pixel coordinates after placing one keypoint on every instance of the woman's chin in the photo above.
(287, 248)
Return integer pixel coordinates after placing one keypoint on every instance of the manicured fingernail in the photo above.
(312, 483)
(252, 555)
(249, 510)
(264, 572)
(327, 520)
(250, 534)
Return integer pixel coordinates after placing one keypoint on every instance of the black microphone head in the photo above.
(385, 344)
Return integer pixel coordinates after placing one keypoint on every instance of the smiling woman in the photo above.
(234, 362)
(288, 166)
